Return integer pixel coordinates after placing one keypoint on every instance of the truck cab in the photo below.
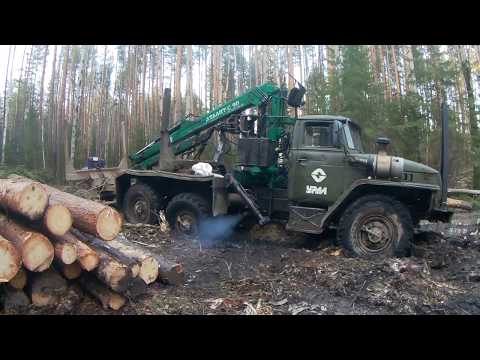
(373, 200)
(318, 170)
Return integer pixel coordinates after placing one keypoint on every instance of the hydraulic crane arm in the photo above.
(183, 136)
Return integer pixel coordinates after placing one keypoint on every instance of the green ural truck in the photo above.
(309, 173)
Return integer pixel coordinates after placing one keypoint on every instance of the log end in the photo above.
(58, 219)
(149, 270)
(33, 201)
(72, 271)
(10, 260)
(116, 301)
(66, 253)
(89, 261)
(109, 224)
(37, 253)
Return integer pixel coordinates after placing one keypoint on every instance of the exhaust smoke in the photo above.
(216, 229)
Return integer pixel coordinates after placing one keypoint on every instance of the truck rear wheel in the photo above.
(376, 226)
(185, 212)
(141, 204)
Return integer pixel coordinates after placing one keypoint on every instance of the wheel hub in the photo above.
(140, 209)
(186, 223)
(376, 233)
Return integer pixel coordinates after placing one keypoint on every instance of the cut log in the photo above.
(20, 280)
(169, 272)
(10, 260)
(86, 256)
(15, 299)
(65, 252)
(57, 220)
(149, 266)
(88, 216)
(36, 250)
(106, 247)
(69, 271)
(48, 288)
(107, 298)
(112, 273)
(459, 204)
(23, 196)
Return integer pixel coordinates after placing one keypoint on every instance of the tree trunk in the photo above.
(36, 250)
(206, 79)
(384, 74)
(178, 85)
(88, 216)
(23, 196)
(10, 260)
(302, 64)
(5, 121)
(86, 256)
(189, 95)
(61, 138)
(410, 81)
(52, 96)
(320, 64)
(395, 69)
(17, 138)
(108, 298)
(40, 105)
(466, 70)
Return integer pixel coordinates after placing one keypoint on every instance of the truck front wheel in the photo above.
(185, 212)
(376, 226)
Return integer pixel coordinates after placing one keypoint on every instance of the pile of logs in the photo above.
(47, 236)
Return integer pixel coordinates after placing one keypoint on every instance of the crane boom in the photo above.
(182, 135)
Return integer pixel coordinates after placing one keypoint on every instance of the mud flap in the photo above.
(305, 219)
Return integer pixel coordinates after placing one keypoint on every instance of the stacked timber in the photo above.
(50, 238)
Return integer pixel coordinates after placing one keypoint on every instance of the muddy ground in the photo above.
(238, 276)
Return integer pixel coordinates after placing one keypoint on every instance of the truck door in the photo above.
(316, 165)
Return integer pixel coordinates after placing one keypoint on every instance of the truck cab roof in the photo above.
(328, 118)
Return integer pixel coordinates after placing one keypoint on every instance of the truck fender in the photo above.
(364, 186)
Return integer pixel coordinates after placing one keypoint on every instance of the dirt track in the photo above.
(241, 277)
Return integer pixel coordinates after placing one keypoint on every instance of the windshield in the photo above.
(352, 135)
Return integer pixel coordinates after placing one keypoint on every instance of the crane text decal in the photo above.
(224, 110)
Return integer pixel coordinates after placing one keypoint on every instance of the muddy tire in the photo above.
(184, 213)
(376, 226)
(141, 204)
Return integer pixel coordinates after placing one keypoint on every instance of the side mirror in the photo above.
(295, 97)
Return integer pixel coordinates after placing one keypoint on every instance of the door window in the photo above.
(318, 135)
